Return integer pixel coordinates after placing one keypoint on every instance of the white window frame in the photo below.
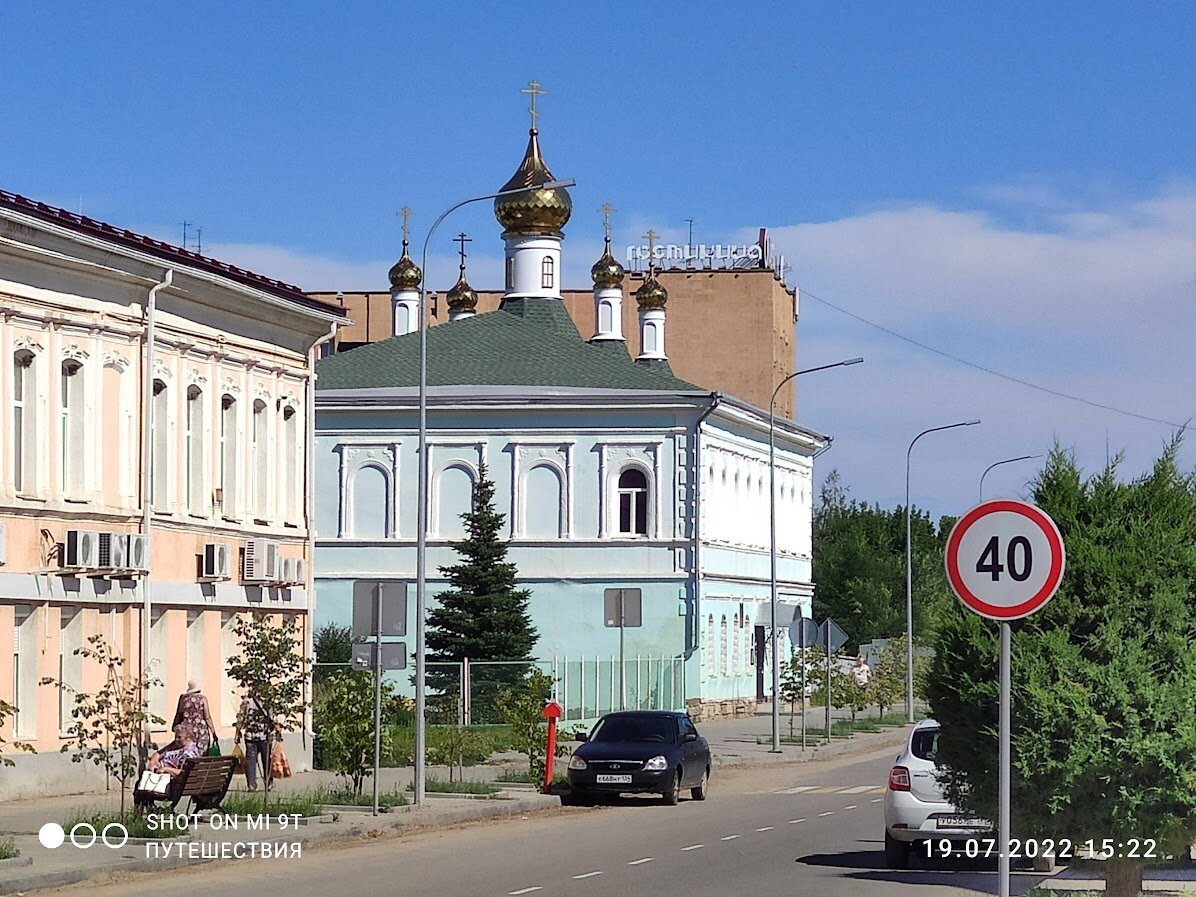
(71, 432)
(24, 421)
(228, 455)
(631, 493)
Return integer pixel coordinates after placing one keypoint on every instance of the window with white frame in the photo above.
(291, 460)
(159, 470)
(70, 665)
(261, 458)
(633, 502)
(228, 455)
(25, 651)
(70, 430)
(510, 273)
(454, 498)
(193, 450)
(547, 272)
(24, 422)
(543, 494)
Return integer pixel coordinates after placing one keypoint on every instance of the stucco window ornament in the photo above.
(230, 386)
(116, 360)
(72, 352)
(27, 344)
(195, 378)
(161, 371)
(633, 502)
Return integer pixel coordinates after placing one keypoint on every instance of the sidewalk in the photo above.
(739, 742)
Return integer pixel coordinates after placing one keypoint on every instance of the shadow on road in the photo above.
(868, 864)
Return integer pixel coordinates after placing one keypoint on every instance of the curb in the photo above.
(793, 756)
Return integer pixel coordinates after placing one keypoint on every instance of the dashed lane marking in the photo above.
(525, 891)
(767, 828)
(729, 838)
(798, 790)
(641, 861)
(858, 789)
(827, 813)
(693, 847)
(877, 800)
(850, 807)
(588, 874)
(796, 821)
(823, 789)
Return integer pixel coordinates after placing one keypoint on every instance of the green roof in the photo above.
(526, 342)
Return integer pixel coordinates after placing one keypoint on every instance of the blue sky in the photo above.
(1014, 183)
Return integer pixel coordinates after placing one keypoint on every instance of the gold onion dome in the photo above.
(405, 274)
(651, 294)
(534, 210)
(607, 272)
(462, 297)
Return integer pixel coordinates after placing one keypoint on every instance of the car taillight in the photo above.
(899, 779)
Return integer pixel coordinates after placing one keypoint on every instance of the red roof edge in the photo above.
(164, 251)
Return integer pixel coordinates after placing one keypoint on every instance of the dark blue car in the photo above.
(641, 750)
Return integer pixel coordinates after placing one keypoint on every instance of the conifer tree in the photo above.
(484, 615)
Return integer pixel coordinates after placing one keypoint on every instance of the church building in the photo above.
(613, 473)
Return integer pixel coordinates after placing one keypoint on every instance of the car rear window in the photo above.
(636, 728)
(925, 744)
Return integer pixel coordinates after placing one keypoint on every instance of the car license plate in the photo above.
(613, 779)
(961, 822)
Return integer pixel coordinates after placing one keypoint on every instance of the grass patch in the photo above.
(8, 849)
(531, 778)
(148, 826)
(443, 787)
(346, 798)
(250, 804)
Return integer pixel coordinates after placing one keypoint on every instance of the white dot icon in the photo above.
(51, 835)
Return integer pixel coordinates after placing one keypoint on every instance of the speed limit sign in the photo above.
(1005, 559)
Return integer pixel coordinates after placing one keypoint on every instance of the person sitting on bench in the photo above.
(171, 758)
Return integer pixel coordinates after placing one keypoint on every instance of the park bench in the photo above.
(204, 780)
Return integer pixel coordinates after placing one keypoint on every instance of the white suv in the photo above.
(915, 808)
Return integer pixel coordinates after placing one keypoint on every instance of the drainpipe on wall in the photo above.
(309, 648)
(716, 399)
(147, 427)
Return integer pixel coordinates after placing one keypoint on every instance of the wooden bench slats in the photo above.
(205, 781)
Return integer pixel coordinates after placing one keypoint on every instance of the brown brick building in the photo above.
(730, 330)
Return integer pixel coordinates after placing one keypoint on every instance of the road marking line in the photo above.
(877, 800)
(638, 862)
(825, 789)
(827, 813)
(796, 821)
(798, 790)
(852, 807)
(880, 790)
(767, 828)
(525, 891)
(858, 789)
(693, 847)
(587, 875)
(729, 838)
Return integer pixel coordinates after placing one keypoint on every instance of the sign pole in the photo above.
(622, 662)
(828, 685)
(802, 642)
(1003, 767)
(377, 689)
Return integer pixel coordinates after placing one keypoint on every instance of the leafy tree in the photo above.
(107, 725)
(1103, 728)
(7, 710)
(333, 645)
(345, 731)
(791, 681)
(523, 710)
(484, 615)
(887, 687)
(270, 666)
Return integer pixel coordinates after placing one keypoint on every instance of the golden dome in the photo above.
(405, 275)
(462, 298)
(651, 294)
(534, 210)
(607, 272)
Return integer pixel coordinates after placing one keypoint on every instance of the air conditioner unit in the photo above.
(288, 570)
(216, 561)
(118, 550)
(262, 561)
(81, 550)
(138, 556)
(300, 572)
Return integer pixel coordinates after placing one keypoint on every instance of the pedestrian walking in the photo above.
(194, 715)
(861, 672)
(254, 723)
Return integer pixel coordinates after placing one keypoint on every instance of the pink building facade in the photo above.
(171, 474)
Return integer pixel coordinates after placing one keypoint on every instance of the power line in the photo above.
(982, 368)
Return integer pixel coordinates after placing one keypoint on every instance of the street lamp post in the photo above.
(772, 543)
(998, 464)
(909, 576)
(421, 536)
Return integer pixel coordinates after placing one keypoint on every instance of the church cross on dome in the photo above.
(462, 239)
(651, 236)
(406, 213)
(533, 88)
(606, 208)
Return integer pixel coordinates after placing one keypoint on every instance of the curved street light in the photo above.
(421, 536)
(998, 464)
(772, 540)
(909, 577)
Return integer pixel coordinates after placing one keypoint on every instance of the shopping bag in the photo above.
(154, 782)
(213, 748)
(280, 768)
(240, 756)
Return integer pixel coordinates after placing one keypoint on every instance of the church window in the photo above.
(547, 272)
(633, 502)
(510, 273)
(542, 502)
(454, 498)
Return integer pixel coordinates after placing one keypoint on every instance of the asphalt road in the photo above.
(812, 829)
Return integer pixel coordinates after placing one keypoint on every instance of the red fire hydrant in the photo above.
(552, 712)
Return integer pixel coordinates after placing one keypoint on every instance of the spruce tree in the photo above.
(484, 615)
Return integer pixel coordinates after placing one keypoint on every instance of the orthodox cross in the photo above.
(651, 236)
(606, 208)
(462, 239)
(406, 213)
(533, 88)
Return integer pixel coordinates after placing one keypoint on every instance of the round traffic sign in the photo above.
(1005, 559)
